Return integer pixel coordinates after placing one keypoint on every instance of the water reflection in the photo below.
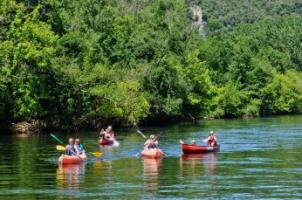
(266, 164)
(151, 171)
(70, 176)
(99, 166)
(208, 160)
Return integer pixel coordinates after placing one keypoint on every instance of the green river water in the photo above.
(259, 159)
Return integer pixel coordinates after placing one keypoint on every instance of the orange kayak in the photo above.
(152, 153)
(195, 149)
(69, 160)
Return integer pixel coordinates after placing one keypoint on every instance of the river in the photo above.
(259, 159)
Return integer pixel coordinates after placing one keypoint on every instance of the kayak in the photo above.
(69, 160)
(104, 141)
(194, 149)
(152, 153)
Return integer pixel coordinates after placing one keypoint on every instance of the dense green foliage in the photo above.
(227, 14)
(83, 63)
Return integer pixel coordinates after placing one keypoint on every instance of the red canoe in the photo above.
(69, 160)
(193, 149)
(105, 142)
(152, 153)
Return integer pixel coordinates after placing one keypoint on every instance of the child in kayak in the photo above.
(211, 139)
(79, 148)
(70, 148)
(151, 143)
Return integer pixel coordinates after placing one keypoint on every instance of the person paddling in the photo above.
(79, 148)
(151, 143)
(70, 148)
(110, 132)
(102, 133)
(211, 139)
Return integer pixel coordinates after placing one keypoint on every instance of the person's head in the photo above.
(77, 141)
(152, 137)
(70, 141)
(211, 132)
(193, 142)
(108, 128)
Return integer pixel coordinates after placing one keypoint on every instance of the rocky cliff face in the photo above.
(196, 16)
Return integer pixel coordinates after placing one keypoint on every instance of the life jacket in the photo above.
(211, 139)
(80, 148)
(152, 146)
(111, 133)
(70, 150)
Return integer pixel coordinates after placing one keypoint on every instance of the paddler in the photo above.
(102, 133)
(211, 139)
(79, 148)
(151, 143)
(70, 148)
(110, 132)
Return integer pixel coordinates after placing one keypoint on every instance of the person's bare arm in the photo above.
(146, 143)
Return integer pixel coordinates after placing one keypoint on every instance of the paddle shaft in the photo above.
(157, 136)
(141, 133)
(56, 138)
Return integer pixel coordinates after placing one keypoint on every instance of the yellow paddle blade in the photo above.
(60, 148)
(97, 154)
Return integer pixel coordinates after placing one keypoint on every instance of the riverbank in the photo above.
(155, 60)
(39, 126)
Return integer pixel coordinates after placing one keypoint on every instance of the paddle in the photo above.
(141, 133)
(56, 138)
(137, 130)
(62, 148)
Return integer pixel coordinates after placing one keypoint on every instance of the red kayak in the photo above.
(104, 141)
(152, 153)
(69, 160)
(194, 149)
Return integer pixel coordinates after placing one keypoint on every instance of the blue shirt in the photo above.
(70, 150)
(80, 147)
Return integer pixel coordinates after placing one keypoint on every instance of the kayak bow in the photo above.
(152, 153)
(69, 160)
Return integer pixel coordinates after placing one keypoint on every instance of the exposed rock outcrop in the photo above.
(196, 16)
